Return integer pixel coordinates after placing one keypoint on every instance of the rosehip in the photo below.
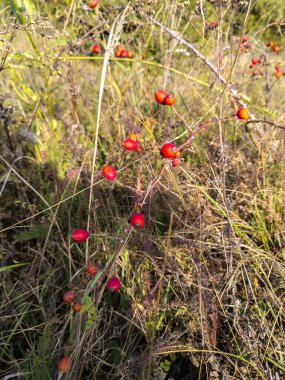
(278, 68)
(92, 269)
(93, 3)
(96, 49)
(80, 235)
(124, 54)
(275, 49)
(114, 284)
(176, 162)
(133, 137)
(260, 60)
(213, 24)
(119, 50)
(278, 74)
(64, 364)
(77, 307)
(170, 100)
(244, 39)
(242, 113)
(270, 43)
(255, 73)
(140, 149)
(109, 172)
(69, 296)
(130, 144)
(254, 61)
(137, 220)
(160, 96)
(284, 73)
(168, 150)
(130, 54)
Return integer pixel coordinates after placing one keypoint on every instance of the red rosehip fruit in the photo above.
(168, 150)
(278, 74)
(113, 284)
(270, 43)
(160, 96)
(93, 3)
(80, 235)
(92, 269)
(77, 307)
(140, 149)
(242, 113)
(213, 24)
(64, 364)
(137, 220)
(124, 54)
(69, 296)
(170, 100)
(109, 172)
(254, 61)
(176, 162)
(130, 144)
(275, 49)
(244, 39)
(260, 60)
(278, 68)
(96, 49)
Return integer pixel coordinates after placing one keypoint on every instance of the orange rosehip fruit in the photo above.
(130, 54)
(109, 172)
(170, 100)
(69, 296)
(64, 364)
(93, 3)
(92, 269)
(243, 113)
(168, 150)
(133, 137)
(119, 50)
(96, 49)
(278, 74)
(124, 54)
(77, 307)
(130, 144)
(160, 96)
(137, 220)
(270, 43)
(113, 284)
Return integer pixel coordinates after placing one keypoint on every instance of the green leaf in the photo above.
(36, 231)
(9, 267)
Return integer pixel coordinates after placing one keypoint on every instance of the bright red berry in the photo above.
(213, 24)
(77, 307)
(278, 68)
(96, 49)
(92, 269)
(93, 3)
(176, 162)
(254, 61)
(69, 296)
(80, 235)
(160, 96)
(168, 150)
(137, 220)
(64, 364)
(124, 54)
(114, 284)
(109, 172)
(242, 113)
(275, 49)
(170, 100)
(244, 39)
(130, 144)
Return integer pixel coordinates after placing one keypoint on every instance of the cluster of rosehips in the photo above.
(121, 52)
(278, 72)
(272, 45)
(210, 25)
(254, 62)
(132, 143)
(245, 46)
(162, 97)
